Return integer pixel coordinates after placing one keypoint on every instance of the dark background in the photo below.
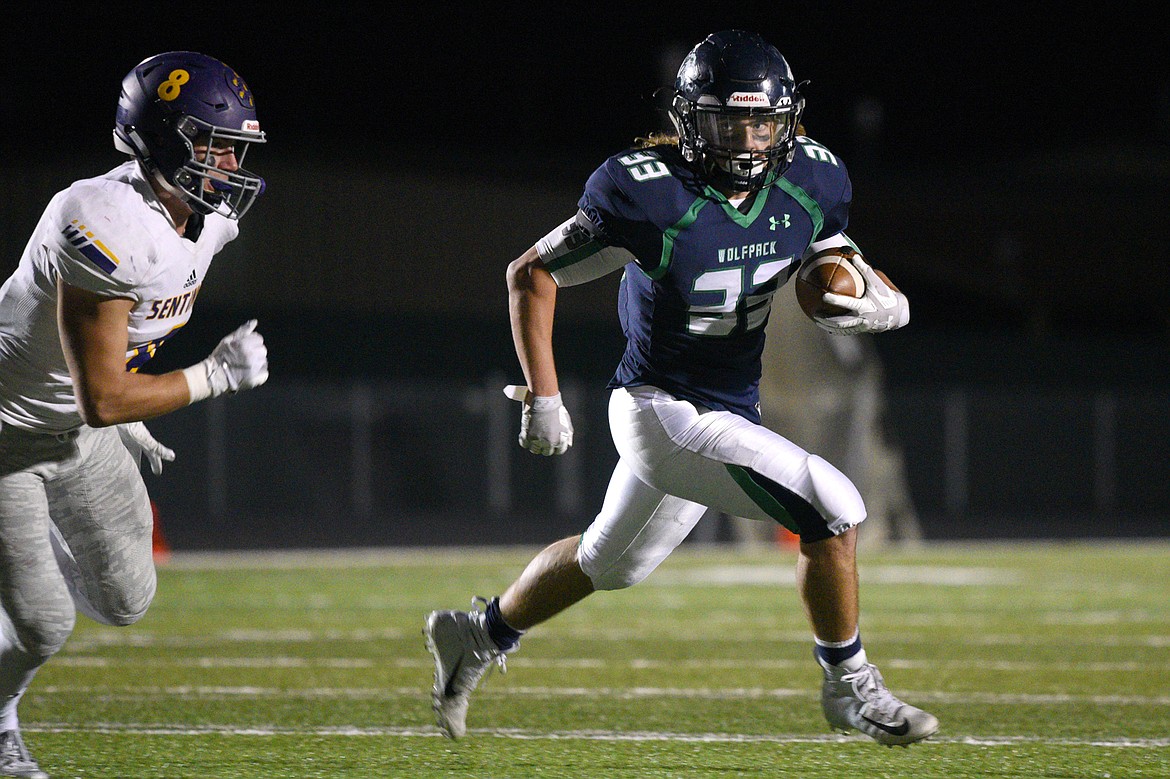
(955, 78)
(1010, 150)
(1011, 170)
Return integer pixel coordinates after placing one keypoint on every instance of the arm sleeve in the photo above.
(574, 253)
(834, 240)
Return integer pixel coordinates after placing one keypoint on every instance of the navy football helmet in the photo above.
(171, 103)
(736, 109)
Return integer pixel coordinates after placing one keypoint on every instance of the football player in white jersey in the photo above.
(705, 226)
(111, 271)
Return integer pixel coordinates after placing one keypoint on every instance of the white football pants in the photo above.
(75, 534)
(678, 460)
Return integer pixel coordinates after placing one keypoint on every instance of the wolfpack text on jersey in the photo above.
(699, 272)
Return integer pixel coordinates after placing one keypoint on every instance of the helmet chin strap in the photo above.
(126, 148)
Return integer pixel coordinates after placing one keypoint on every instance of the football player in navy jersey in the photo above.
(705, 227)
(110, 273)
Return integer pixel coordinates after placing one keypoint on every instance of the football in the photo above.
(829, 270)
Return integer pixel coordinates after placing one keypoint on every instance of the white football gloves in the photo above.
(239, 362)
(545, 427)
(880, 308)
(138, 440)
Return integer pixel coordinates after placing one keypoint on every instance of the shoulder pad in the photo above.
(98, 235)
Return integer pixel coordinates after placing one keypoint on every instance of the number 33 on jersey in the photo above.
(699, 273)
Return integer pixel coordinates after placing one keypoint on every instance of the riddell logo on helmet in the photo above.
(747, 99)
(251, 125)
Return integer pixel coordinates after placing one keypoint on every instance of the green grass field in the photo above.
(1040, 660)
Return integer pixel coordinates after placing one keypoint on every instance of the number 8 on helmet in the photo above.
(174, 110)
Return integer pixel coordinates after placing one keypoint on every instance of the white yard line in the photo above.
(573, 663)
(738, 575)
(617, 693)
(576, 735)
(97, 638)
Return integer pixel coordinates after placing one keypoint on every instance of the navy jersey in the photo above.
(695, 300)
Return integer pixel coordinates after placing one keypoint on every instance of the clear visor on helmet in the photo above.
(743, 132)
(745, 145)
(215, 175)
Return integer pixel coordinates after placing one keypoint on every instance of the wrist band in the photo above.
(197, 384)
(546, 402)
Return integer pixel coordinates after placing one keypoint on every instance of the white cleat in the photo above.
(15, 759)
(861, 701)
(463, 653)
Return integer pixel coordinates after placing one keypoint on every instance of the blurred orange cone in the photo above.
(162, 550)
(786, 538)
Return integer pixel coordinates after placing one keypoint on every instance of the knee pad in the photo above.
(614, 573)
(619, 576)
(119, 607)
(128, 606)
(834, 495)
(122, 617)
(629, 539)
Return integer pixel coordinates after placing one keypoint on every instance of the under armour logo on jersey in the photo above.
(191, 281)
(772, 222)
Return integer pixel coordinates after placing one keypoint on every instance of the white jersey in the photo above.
(111, 236)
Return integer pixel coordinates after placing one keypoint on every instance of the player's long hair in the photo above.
(656, 139)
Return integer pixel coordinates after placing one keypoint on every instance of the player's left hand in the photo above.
(545, 426)
(881, 308)
(136, 438)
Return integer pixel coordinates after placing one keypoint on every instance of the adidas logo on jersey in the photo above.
(191, 281)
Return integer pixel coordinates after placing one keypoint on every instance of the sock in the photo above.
(505, 636)
(849, 654)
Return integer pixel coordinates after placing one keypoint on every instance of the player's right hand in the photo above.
(545, 426)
